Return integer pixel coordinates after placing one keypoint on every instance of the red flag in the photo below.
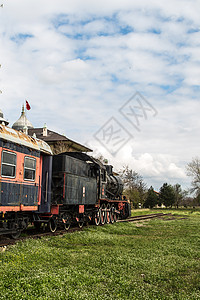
(27, 105)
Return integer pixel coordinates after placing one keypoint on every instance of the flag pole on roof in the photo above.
(28, 107)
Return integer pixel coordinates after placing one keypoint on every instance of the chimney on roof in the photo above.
(45, 130)
(2, 120)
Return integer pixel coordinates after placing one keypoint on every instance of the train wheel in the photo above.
(103, 214)
(16, 235)
(52, 225)
(67, 226)
(24, 223)
(15, 226)
(116, 217)
(112, 214)
(80, 224)
(108, 213)
(97, 217)
(66, 222)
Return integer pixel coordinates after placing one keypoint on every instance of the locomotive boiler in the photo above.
(114, 187)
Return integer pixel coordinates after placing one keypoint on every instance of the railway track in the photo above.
(144, 217)
(33, 234)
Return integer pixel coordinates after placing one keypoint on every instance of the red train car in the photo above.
(25, 179)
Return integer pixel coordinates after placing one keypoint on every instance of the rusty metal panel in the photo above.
(20, 138)
(29, 195)
(44, 147)
(80, 190)
(14, 194)
(78, 185)
(9, 194)
(70, 165)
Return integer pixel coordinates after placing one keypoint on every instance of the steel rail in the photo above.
(143, 217)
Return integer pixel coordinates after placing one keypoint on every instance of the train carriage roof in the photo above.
(20, 138)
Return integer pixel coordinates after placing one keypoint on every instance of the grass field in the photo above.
(155, 259)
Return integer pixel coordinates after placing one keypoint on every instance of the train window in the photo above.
(29, 168)
(8, 164)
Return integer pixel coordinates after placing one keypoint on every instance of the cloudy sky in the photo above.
(122, 77)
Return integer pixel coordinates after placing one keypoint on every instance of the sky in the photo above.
(122, 77)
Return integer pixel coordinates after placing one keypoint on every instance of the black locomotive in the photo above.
(83, 189)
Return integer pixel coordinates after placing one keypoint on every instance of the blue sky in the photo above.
(80, 62)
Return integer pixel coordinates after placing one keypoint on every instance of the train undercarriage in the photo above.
(13, 223)
(64, 216)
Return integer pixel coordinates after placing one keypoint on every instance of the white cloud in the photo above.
(68, 71)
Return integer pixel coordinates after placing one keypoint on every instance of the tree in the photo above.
(134, 186)
(134, 196)
(193, 170)
(178, 193)
(152, 198)
(198, 199)
(167, 196)
(187, 201)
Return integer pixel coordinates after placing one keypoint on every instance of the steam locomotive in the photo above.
(54, 190)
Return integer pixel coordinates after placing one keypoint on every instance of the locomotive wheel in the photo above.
(112, 214)
(66, 222)
(116, 216)
(52, 225)
(97, 217)
(67, 226)
(103, 214)
(108, 213)
(80, 224)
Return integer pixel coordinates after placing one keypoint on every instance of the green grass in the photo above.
(174, 211)
(156, 259)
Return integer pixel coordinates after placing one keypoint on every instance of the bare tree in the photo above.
(193, 170)
(179, 194)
